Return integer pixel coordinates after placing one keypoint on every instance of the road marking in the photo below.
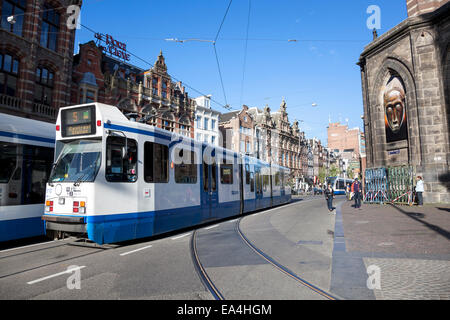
(182, 236)
(210, 227)
(143, 248)
(56, 275)
(33, 245)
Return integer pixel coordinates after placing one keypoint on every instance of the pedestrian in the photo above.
(419, 190)
(329, 195)
(356, 186)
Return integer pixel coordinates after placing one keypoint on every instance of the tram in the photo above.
(26, 157)
(338, 184)
(115, 179)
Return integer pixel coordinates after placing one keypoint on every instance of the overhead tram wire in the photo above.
(217, 57)
(245, 52)
(151, 65)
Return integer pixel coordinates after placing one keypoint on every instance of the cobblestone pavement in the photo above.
(409, 245)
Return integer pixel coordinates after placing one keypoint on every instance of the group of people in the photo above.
(356, 189)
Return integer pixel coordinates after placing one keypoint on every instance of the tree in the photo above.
(334, 171)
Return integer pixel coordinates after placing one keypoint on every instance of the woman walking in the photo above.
(329, 195)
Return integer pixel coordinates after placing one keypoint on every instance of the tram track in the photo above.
(215, 291)
(46, 254)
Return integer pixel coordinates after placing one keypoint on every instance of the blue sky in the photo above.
(319, 68)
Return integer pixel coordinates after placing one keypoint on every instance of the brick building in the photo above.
(36, 53)
(148, 95)
(237, 130)
(406, 92)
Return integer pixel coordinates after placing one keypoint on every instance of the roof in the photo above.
(224, 117)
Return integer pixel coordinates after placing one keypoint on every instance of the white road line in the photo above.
(56, 275)
(182, 236)
(210, 227)
(143, 248)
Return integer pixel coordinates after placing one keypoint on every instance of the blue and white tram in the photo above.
(26, 157)
(116, 179)
(338, 184)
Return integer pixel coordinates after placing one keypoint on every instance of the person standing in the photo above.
(419, 190)
(329, 195)
(357, 191)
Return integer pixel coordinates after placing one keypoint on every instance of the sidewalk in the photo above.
(410, 245)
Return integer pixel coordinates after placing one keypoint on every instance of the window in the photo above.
(9, 71)
(205, 127)
(49, 28)
(252, 182)
(226, 173)
(258, 182)
(206, 176)
(186, 172)
(199, 122)
(206, 137)
(213, 139)
(199, 136)
(90, 96)
(14, 8)
(266, 182)
(121, 164)
(213, 124)
(44, 86)
(156, 163)
(247, 174)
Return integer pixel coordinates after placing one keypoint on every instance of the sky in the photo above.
(258, 65)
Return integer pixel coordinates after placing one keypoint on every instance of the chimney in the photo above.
(418, 7)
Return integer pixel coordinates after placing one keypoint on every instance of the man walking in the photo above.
(329, 195)
(357, 191)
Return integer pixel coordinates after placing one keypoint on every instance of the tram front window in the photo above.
(78, 161)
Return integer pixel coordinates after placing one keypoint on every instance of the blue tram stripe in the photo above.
(138, 131)
(21, 228)
(26, 137)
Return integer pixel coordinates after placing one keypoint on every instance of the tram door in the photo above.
(259, 188)
(209, 193)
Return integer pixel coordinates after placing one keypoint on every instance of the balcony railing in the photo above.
(44, 111)
(10, 102)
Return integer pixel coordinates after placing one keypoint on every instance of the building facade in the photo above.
(406, 92)
(149, 96)
(36, 54)
(206, 121)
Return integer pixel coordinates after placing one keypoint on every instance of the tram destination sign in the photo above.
(78, 121)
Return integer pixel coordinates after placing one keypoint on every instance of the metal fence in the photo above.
(391, 184)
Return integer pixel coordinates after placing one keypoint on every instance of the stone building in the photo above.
(406, 92)
(149, 95)
(36, 53)
(237, 130)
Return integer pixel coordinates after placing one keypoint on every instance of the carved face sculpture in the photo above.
(394, 107)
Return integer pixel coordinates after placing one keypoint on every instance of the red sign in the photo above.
(114, 47)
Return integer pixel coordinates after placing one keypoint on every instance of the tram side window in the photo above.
(252, 182)
(258, 178)
(121, 167)
(156, 163)
(186, 172)
(340, 185)
(247, 174)
(226, 173)
(277, 178)
(266, 181)
(24, 171)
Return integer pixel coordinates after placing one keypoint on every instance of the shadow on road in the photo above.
(418, 216)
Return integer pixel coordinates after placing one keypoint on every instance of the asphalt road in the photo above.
(281, 253)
